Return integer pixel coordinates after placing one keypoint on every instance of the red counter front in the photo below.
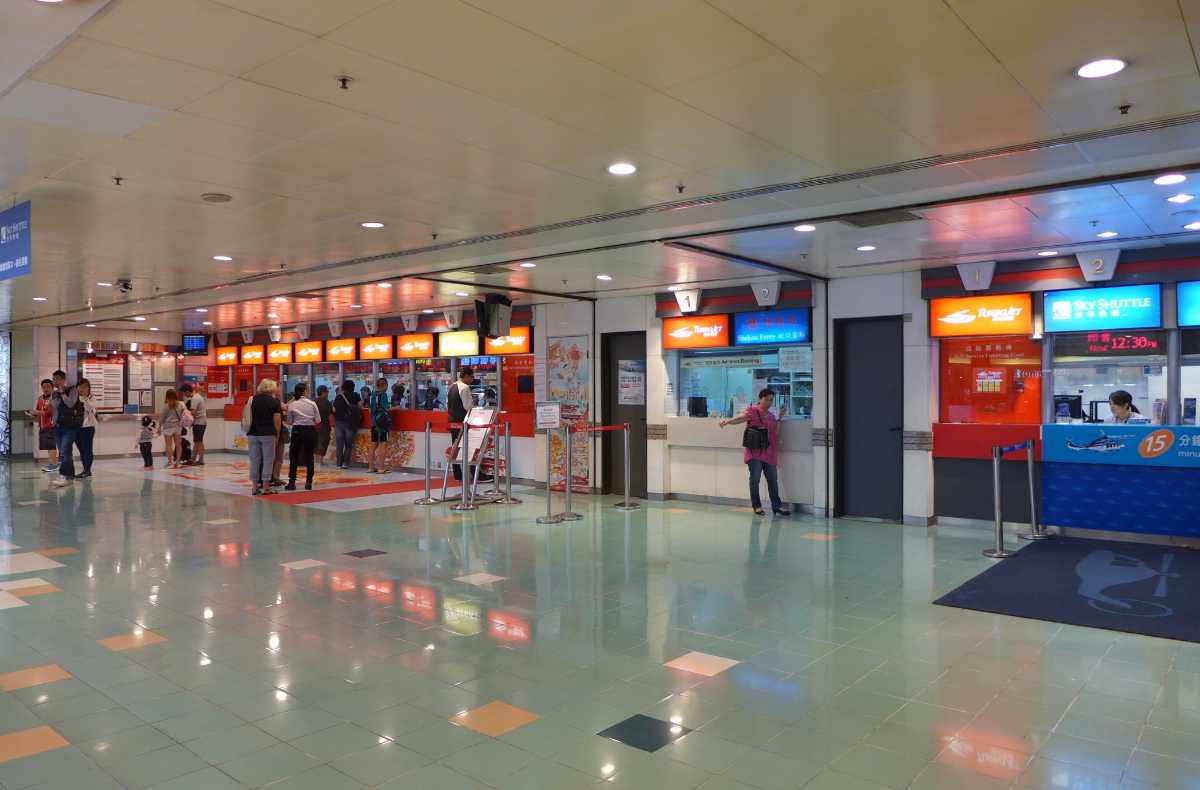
(967, 440)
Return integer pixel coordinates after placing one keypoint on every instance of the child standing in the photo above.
(145, 442)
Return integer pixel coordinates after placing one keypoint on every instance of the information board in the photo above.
(631, 382)
(141, 373)
(547, 416)
(795, 359)
(107, 378)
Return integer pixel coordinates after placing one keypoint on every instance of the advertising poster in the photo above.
(108, 385)
(1122, 445)
(631, 382)
(568, 380)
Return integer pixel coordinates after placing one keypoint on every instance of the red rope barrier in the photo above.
(595, 428)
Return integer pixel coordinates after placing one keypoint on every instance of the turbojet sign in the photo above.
(994, 314)
(1118, 307)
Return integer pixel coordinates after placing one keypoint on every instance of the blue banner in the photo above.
(770, 326)
(15, 246)
(1187, 300)
(1115, 307)
(1122, 445)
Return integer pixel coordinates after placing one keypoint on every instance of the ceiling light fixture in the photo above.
(461, 293)
(866, 248)
(1107, 234)
(139, 318)
(90, 326)
(222, 258)
(427, 311)
(356, 306)
(206, 323)
(1182, 197)
(804, 228)
(39, 298)
(272, 315)
(1168, 179)
(603, 277)
(153, 329)
(103, 284)
(274, 326)
(1047, 253)
(675, 288)
(201, 309)
(385, 285)
(280, 299)
(622, 168)
(1104, 67)
(1192, 226)
(528, 265)
(372, 225)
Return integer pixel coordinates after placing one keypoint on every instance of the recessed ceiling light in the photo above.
(1182, 197)
(90, 326)
(622, 168)
(1192, 226)
(139, 318)
(385, 285)
(274, 326)
(272, 315)
(207, 323)
(39, 298)
(50, 2)
(222, 258)
(201, 309)
(153, 329)
(1106, 234)
(372, 225)
(603, 277)
(1047, 253)
(804, 228)
(528, 265)
(461, 293)
(103, 284)
(1104, 67)
(1167, 179)
(280, 298)
(674, 287)
(866, 248)
(426, 311)
(356, 306)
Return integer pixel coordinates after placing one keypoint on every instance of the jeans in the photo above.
(85, 438)
(304, 442)
(66, 451)
(345, 442)
(262, 456)
(147, 449)
(764, 469)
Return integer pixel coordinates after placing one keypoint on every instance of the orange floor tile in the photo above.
(58, 552)
(495, 719)
(26, 743)
(34, 676)
(130, 641)
(820, 537)
(41, 589)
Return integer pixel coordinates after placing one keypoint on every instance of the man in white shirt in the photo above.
(459, 402)
(304, 417)
(195, 404)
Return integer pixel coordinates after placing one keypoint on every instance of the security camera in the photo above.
(125, 286)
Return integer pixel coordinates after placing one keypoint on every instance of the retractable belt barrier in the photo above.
(628, 503)
(1036, 531)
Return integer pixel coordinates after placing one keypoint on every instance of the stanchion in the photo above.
(464, 455)
(628, 504)
(508, 498)
(568, 514)
(999, 552)
(428, 498)
(550, 517)
(1036, 530)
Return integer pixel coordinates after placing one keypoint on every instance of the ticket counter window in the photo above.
(297, 374)
(1189, 378)
(433, 380)
(1087, 368)
(328, 374)
(723, 384)
(398, 372)
(361, 373)
(486, 386)
(991, 380)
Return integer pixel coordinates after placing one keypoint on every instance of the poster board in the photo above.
(568, 381)
(479, 415)
(107, 377)
(631, 382)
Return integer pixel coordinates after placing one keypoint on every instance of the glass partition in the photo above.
(723, 383)
(433, 379)
(1088, 368)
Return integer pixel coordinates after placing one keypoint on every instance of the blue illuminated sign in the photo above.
(1122, 445)
(1117, 307)
(1187, 298)
(770, 326)
(15, 248)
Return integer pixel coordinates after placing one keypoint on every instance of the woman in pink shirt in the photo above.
(762, 461)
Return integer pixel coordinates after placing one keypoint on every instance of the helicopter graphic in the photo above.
(1101, 444)
(1102, 570)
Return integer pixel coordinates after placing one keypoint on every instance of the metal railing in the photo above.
(999, 552)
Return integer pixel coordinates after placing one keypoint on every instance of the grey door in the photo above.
(623, 356)
(869, 417)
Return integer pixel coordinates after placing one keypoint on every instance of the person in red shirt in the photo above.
(43, 412)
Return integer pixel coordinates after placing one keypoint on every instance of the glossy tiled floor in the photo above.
(202, 640)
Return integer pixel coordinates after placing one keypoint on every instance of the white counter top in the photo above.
(795, 434)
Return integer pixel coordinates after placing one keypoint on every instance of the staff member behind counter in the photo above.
(1120, 403)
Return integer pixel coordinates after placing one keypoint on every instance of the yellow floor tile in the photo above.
(26, 743)
(495, 719)
(41, 589)
(702, 664)
(34, 676)
(58, 552)
(818, 536)
(130, 641)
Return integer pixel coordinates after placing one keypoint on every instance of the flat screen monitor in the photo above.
(195, 345)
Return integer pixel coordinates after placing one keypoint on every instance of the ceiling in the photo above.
(479, 131)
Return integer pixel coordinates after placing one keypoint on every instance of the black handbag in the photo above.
(755, 437)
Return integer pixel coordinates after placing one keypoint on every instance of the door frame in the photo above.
(839, 418)
(607, 442)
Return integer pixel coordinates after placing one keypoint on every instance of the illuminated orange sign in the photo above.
(464, 343)
(375, 347)
(253, 355)
(227, 355)
(311, 351)
(696, 331)
(342, 350)
(279, 353)
(414, 346)
(994, 314)
(517, 341)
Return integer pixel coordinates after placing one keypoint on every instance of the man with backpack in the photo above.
(347, 416)
(381, 424)
(68, 419)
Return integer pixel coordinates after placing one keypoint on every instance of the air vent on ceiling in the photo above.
(216, 197)
(493, 269)
(873, 219)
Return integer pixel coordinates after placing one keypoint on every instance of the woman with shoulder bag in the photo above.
(760, 443)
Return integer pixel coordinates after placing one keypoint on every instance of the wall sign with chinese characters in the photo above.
(1096, 309)
(771, 326)
(1110, 344)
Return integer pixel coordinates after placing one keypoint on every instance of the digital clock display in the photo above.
(1100, 344)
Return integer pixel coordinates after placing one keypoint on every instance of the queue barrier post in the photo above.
(428, 498)
(999, 552)
(569, 479)
(628, 503)
(467, 502)
(551, 517)
(508, 498)
(1036, 530)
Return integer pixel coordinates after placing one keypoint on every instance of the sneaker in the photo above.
(86, 474)
(60, 482)
(290, 487)
(50, 468)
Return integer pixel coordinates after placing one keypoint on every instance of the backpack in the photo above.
(353, 409)
(186, 419)
(247, 417)
(69, 416)
(381, 418)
